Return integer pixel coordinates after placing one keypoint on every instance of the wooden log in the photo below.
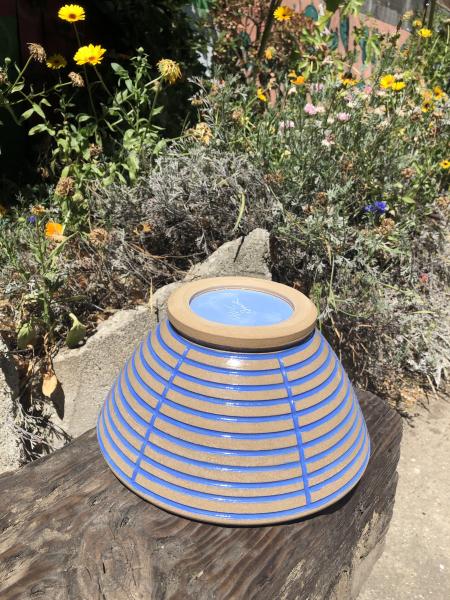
(69, 530)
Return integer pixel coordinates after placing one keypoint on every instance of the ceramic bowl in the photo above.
(235, 410)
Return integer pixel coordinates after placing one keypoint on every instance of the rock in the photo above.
(249, 256)
(10, 444)
(70, 530)
(86, 374)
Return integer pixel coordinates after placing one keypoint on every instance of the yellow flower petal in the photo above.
(425, 32)
(261, 95)
(283, 13)
(387, 81)
(92, 55)
(445, 164)
(72, 13)
(56, 61)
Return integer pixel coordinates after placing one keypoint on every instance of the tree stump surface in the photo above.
(69, 530)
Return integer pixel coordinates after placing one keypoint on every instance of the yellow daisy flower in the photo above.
(417, 23)
(427, 105)
(398, 85)
(269, 52)
(56, 61)
(261, 95)
(347, 79)
(425, 32)
(72, 13)
(92, 55)
(283, 13)
(387, 81)
(439, 92)
(445, 164)
(169, 69)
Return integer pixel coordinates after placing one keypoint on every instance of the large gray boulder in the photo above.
(86, 374)
(10, 446)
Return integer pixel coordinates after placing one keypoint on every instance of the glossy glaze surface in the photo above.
(233, 437)
(241, 307)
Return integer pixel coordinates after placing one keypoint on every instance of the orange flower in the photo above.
(54, 230)
(296, 79)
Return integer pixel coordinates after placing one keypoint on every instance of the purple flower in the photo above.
(31, 219)
(378, 206)
(381, 206)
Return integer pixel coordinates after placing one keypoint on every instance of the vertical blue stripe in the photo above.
(297, 432)
(156, 413)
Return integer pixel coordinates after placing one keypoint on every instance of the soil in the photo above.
(416, 562)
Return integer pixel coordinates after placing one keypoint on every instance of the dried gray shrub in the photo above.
(190, 201)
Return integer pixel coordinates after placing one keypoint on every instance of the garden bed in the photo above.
(347, 170)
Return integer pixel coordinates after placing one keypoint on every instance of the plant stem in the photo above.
(274, 4)
(88, 86)
(102, 82)
(19, 75)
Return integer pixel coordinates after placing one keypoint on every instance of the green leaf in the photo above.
(119, 70)
(40, 129)
(77, 332)
(27, 114)
(38, 110)
(26, 336)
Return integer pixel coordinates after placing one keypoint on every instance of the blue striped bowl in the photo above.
(232, 436)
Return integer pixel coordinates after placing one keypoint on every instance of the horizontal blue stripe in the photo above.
(176, 506)
(220, 467)
(319, 486)
(199, 396)
(329, 416)
(342, 441)
(205, 464)
(241, 355)
(223, 451)
(204, 431)
(218, 497)
(118, 433)
(223, 386)
(231, 371)
(341, 458)
(331, 433)
(224, 484)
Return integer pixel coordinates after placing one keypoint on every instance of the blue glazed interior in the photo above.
(241, 307)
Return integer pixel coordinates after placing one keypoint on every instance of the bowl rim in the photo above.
(239, 337)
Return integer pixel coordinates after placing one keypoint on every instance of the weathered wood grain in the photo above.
(70, 531)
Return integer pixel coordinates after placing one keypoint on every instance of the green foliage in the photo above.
(32, 260)
(107, 144)
(361, 172)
